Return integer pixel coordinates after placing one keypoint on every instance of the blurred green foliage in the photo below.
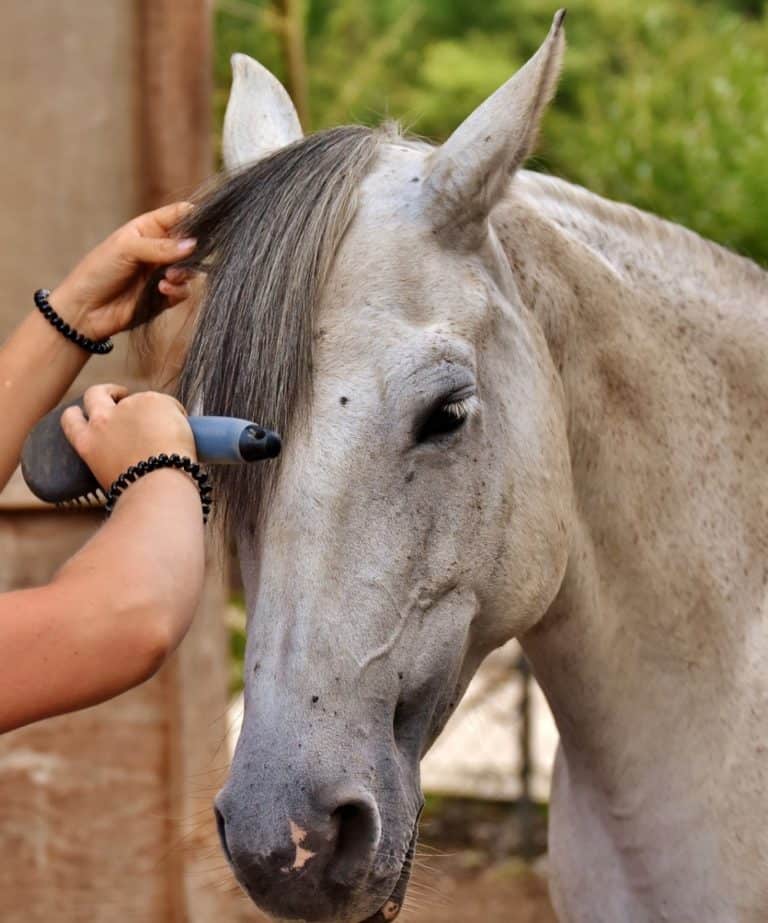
(236, 622)
(663, 103)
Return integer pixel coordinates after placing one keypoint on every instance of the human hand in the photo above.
(123, 429)
(99, 296)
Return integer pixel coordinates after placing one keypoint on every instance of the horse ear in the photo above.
(467, 175)
(260, 117)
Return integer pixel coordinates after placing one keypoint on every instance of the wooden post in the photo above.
(292, 31)
(175, 79)
(106, 814)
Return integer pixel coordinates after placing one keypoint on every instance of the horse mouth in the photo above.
(394, 904)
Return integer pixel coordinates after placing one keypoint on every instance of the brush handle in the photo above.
(229, 441)
(54, 472)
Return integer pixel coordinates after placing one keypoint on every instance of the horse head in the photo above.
(360, 302)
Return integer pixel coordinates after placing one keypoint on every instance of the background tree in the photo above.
(663, 104)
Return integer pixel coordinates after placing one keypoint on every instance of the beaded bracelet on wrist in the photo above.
(153, 463)
(97, 347)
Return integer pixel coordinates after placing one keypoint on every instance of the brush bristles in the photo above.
(94, 498)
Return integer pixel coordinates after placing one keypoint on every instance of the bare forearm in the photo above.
(37, 366)
(113, 613)
(148, 559)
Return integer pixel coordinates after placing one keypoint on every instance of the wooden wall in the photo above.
(105, 815)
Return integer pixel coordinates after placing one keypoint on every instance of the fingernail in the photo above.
(187, 243)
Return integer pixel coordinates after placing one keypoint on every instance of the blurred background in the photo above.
(108, 107)
(663, 103)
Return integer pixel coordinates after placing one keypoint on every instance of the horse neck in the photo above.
(659, 338)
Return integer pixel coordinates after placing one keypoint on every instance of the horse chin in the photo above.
(391, 909)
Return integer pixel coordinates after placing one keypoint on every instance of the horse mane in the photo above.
(266, 239)
(565, 202)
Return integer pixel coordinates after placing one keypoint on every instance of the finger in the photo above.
(75, 426)
(182, 408)
(158, 249)
(178, 298)
(176, 275)
(100, 399)
(139, 396)
(162, 220)
(174, 293)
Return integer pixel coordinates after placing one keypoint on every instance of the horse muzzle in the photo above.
(318, 859)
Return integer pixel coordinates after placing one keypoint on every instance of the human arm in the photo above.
(38, 365)
(120, 606)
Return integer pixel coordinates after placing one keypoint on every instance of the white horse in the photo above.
(512, 409)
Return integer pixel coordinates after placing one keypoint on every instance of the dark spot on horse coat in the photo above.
(343, 401)
(621, 394)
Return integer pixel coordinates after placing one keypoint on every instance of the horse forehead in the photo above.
(390, 253)
(391, 194)
(391, 281)
(402, 289)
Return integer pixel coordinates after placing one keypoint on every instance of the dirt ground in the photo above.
(447, 888)
(466, 871)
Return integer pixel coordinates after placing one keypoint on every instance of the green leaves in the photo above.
(663, 104)
(679, 126)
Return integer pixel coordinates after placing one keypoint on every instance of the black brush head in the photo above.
(52, 469)
(257, 444)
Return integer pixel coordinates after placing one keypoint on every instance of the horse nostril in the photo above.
(358, 828)
(221, 826)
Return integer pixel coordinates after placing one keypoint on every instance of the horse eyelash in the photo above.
(462, 408)
(446, 417)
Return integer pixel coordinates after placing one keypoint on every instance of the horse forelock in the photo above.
(267, 236)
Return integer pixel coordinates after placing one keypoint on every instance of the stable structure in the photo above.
(500, 743)
(105, 815)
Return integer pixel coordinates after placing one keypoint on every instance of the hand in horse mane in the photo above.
(38, 365)
(98, 297)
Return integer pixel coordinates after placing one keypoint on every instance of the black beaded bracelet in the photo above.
(98, 347)
(153, 463)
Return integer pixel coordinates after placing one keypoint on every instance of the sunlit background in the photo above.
(662, 104)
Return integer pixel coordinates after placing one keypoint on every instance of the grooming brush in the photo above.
(55, 473)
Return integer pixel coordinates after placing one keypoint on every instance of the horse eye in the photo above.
(445, 419)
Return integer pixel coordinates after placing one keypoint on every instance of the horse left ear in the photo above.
(468, 174)
(260, 117)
